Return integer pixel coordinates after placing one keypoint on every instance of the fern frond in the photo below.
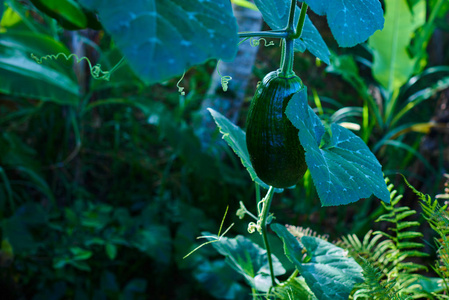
(299, 232)
(375, 287)
(403, 237)
(384, 255)
(438, 218)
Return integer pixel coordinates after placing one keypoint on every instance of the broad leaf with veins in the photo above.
(327, 269)
(351, 21)
(275, 14)
(162, 38)
(343, 168)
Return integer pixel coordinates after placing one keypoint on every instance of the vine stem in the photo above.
(293, 33)
(302, 19)
(263, 227)
(287, 59)
(265, 34)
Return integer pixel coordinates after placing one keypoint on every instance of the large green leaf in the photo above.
(67, 12)
(342, 167)
(327, 269)
(351, 21)
(22, 76)
(163, 38)
(275, 13)
(392, 65)
(248, 259)
(236, 139)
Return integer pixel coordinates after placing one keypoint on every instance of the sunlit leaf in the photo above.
(351, 21)
(392, 64)
(343, 168)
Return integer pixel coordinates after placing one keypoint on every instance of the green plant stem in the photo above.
(263, 227)
(265, 34)
(8, 189)
(302, 19)
(288, 45)
(258, 198)
(294, 275)
(291, 17)
(290, 279)
(254, 293)
(287, 59)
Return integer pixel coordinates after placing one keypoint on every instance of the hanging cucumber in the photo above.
(273, 145)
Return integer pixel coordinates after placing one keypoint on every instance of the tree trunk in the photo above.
(229, 103)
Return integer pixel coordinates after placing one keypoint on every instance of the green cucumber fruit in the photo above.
(273, 145)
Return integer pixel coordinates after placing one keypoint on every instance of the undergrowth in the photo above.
(389, 258)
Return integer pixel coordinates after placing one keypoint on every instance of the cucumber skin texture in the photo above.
(273, 145)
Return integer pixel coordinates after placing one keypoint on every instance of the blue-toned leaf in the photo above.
(342, 167)
(248, 259)
(275, 13)
(351, 21)
(312, 40)
(236, 139)
(327, 269)
(292, 248)
(330, 273)
(162, 38)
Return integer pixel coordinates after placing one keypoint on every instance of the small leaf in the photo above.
(111, 251)
(328, 270)
(351, 21)
(60, 262)
(342, 167)
(248, 259)
(275, 14)
(80, 265)
(236, 139)
(80, 254)
(162, 38)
